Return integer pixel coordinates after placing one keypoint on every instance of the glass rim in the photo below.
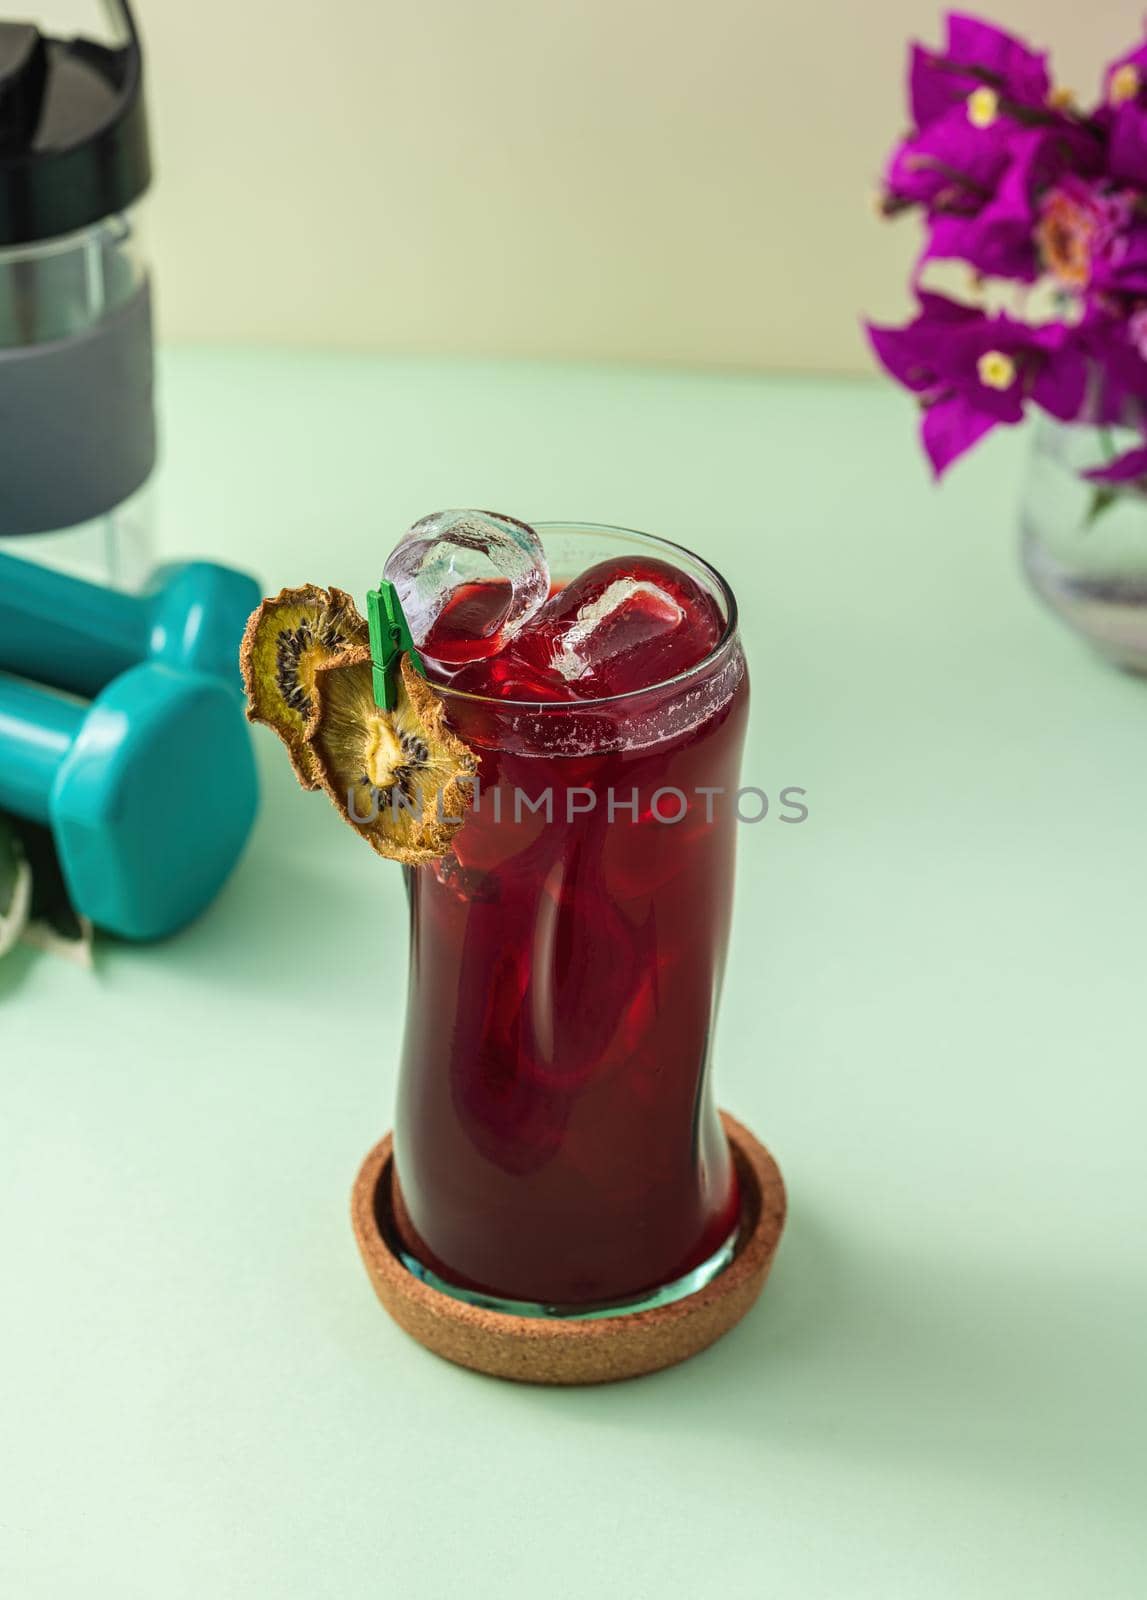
(655, 540)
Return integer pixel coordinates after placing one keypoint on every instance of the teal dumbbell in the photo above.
(150, 791)
(81, 636)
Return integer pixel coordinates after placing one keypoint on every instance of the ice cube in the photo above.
(468, 581)
(624, 624)
(627, 613)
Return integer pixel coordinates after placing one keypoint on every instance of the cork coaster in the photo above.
(540, 1350)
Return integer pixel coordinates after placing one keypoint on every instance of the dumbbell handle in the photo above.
(50, 622)
(37, 729)
(81, 636)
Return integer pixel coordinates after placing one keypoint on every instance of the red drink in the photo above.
(556, 1142)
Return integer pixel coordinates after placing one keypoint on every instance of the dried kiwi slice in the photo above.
(287, 639)
(398, 776)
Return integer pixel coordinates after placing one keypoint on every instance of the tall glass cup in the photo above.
(557, 1149)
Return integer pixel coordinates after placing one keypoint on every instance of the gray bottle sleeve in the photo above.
(77, 422)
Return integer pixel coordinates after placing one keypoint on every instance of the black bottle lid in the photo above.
(73, 129)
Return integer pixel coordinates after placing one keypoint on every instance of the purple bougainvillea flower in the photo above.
(1086, 235)
(1018, 184)
(1125, 78)
(973, 372)
(1123, 115)
(1116, 370)
(980, 183)
(997, 238)
(1137, 331)
(952, 164)
(1120, 265)
(1127, 144)
(976, 54)
(1127, 468)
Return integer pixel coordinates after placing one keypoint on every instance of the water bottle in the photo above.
(77, 425)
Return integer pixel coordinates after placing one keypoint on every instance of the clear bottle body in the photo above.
(75, 375)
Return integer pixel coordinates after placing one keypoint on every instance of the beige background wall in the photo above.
(626, 179)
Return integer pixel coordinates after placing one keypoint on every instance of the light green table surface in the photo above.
(934, 1015)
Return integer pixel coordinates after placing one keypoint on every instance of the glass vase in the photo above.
(1084, 545)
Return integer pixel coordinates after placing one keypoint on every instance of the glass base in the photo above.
(1109, 613)
(664, 1296)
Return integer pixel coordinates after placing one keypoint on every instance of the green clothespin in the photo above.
(390, 639)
